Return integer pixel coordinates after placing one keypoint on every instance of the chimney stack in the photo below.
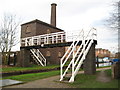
(53, 14)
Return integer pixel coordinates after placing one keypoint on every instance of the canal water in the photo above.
(103, 64)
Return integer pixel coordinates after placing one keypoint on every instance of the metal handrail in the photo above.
(84, 52)
(73, 47)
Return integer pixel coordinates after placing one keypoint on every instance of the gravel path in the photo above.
(50, 82)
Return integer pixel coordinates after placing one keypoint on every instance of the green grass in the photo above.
(108, 72)
(89, 81)
(81, 80)
(33, 76)
(34, 67)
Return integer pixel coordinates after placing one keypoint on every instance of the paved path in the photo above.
(43, 83)
(103, 77)
(47, 83)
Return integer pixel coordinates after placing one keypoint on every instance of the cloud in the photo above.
(106, 39)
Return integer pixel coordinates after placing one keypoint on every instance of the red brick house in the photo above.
(101, 53)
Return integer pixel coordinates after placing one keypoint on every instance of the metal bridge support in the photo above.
(25, 57)
(90, 62)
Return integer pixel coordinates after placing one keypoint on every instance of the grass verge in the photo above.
(33, 76)
(89, 81)
(34, 67)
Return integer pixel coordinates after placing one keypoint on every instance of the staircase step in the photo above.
(38, 57)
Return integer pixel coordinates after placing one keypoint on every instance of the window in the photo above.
(48, 31)
(48, 53)
(59, 54)
(28, 29)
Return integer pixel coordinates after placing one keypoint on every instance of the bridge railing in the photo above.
(51, 38)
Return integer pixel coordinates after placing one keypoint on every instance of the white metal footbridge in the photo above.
(78, 52)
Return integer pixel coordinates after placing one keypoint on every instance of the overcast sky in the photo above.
(71, 15)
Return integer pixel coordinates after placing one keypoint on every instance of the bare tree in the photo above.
(8, 35)
(113, 20)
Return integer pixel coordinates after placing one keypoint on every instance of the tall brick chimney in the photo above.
(53, 14)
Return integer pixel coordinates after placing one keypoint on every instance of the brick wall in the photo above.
(53, 55)
(28, 30)
(37, 27)
(43, 29)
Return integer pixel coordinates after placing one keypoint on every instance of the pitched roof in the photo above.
(41, 22)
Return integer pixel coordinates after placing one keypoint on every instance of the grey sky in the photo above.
(71, 15)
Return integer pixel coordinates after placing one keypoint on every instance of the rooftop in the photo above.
(41, 22)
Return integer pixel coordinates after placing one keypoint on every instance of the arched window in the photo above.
(48, 53)
(59, 54)
(48, 31)
(28, 29)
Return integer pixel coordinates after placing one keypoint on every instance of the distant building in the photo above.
(101, 53)
(117, 55)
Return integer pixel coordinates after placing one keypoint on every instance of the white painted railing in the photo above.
(38, 57)
(58, 37)
(52, 38)
(68, 53)
(78, 56)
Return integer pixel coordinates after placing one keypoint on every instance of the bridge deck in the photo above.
(64, 44)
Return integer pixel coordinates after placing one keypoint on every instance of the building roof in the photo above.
(41, 22)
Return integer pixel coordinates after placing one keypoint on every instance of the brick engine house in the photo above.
(37, 27)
